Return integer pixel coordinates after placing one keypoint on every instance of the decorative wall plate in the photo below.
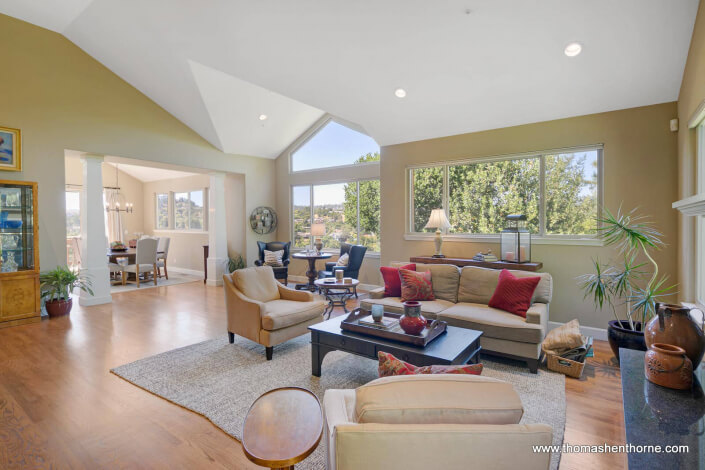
(263, 220)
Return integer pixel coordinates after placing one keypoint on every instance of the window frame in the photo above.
(357, 182)
(170, 210)
(539, 238)
(313, 132)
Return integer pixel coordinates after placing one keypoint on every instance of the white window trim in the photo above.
(539, 238)
(357, 181)
(312, 132)
(170, 210)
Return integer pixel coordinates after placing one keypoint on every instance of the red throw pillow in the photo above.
(513, 294)
(392, 281)
(390, 365)
(415, 285)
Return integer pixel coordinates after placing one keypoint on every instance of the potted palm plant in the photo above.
(625, 285)
(56, 287)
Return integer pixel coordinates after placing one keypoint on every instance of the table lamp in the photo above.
(439, 221)
(318, 230)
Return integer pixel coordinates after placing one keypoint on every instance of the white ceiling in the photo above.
(147, 174)
(218, 65)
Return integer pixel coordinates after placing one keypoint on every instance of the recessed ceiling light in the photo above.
(573, 49)
(400, 92)
(262, 117)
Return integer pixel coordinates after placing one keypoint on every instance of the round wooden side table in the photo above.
(312, 274)
(282, 427)
(336, 293)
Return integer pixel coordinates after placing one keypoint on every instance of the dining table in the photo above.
(130, 254)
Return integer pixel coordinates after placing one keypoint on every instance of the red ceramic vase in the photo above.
(412, 322)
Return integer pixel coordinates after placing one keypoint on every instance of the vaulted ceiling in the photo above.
(466, 66)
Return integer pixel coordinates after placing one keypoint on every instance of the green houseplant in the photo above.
(235, 263)
(56, 287)
(634, 287)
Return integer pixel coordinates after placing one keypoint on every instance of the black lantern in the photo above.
(515, 241)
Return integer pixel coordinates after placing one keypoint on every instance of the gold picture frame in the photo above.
(10, 149)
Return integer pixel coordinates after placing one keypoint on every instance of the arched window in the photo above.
(346, 209)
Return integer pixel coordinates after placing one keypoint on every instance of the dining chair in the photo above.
(145, 261)
(116, 268)
(162, 253)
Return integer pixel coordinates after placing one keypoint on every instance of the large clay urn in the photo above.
(674, 325)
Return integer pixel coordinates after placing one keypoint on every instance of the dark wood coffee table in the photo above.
(455, 346)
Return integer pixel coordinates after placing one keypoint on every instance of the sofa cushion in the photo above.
(437, 399)
(444, 277)
(395, 305)
(513, 294)
(493, 323)
(257, 283)
(478, 284)
(390, 365)
(282, 313)
(392, 281)
(415, 285)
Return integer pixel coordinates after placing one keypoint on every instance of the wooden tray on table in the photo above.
(434, 328)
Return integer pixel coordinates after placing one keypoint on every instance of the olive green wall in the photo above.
(61, 98)
(640, 170)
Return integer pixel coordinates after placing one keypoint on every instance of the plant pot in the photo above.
(668, 366)
(620, 336)
(58, 308)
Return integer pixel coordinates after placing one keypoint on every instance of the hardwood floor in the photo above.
(60, 407)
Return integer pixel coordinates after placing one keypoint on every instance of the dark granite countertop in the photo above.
(656, 415)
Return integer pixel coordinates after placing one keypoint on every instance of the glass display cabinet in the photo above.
(19, 256)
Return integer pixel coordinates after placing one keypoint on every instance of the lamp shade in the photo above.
(318, 230)
(438, 220)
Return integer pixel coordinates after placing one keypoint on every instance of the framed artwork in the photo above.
(10, 149)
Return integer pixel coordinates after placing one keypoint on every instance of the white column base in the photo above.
(216, 269)
(100, 279)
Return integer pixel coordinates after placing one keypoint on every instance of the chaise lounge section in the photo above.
(462, 297)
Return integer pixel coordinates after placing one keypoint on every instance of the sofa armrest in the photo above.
(293, 294)
(537, 314)
(377, 293)
(329, 265)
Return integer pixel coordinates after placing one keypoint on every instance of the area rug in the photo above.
(220, 381)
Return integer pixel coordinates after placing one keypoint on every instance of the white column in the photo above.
(217, 231)
(94, 244)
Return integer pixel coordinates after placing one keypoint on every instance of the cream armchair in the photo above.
(261, 309)
(431, 421)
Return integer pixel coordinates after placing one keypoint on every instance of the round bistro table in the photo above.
(336, 293)
(311, 273)
(282, 427)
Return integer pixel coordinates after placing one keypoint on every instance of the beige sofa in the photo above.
(462, 295)
(431, 421)
(261, 309)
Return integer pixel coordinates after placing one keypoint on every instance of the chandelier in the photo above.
(117, 203)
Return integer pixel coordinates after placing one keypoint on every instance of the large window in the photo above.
(73, 214)
(162, 221)
(558, 192)
(349, 212)
(333, 145)
(188, 211)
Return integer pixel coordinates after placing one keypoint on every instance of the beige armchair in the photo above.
(261, 309)
(431, 421)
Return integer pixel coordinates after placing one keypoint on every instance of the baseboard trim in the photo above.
(304, 279)
(596, 333)
(193, 272)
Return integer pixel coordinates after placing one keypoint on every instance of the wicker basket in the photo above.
(564, 366)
